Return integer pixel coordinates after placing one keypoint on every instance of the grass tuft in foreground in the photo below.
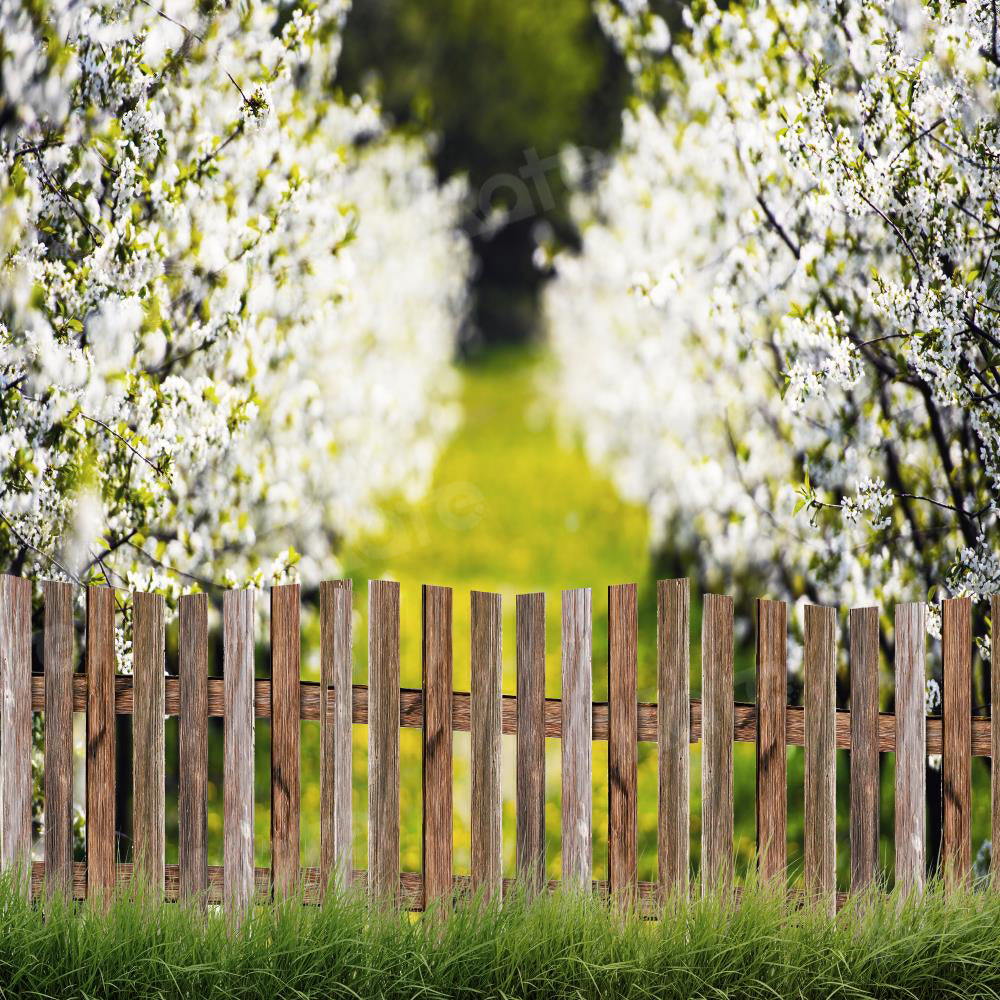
(942, 946)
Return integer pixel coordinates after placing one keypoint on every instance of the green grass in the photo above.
(553, 948)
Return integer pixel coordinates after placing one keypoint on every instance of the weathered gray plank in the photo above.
(148, 789)
(437, 671)
(335, 730)
(286, 673)
(15, 728)
(192, 784)
(995, 734)
(383, 740)
(577, 689)
(820, 699)
(101, 848)
(58, 664)
(486, 726)
(238, 738)
(772, 764)
(911, 752)
(864, 747)
(530, 835)
(956, 720)
(623, 725)
(717, 742)
(673, 642)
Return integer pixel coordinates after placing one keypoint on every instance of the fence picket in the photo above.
(772, 766)
(623, 726)
(820, 699)
(286, 672)
(911, 750)
(485, 723)
(956, 721)
(673, 640)
(238, 727)
(864, 747)
(717, 737)
(995, 735)
(383, 740)
(58, 666)
(15, 728)
(530, 836)
(192, 724)
(101, 852)
(149, 792)
(576, 737)
(437, 669)
(335, 730)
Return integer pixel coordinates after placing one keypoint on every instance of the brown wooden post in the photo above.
(956, 761)
(772, 766)
(864, 747)
(531, 741)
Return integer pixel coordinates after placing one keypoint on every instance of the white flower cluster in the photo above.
(228, 297)
(786, 310)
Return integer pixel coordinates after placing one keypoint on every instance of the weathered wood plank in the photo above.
(15, 728)
(383, 740)
(623, 724)
(438, 681)
(192, 784)
(487, 744)
(994, 721)
(101, 847)
(148, 788)
(956, 761)
(530, 728)
(238, 738)
(286, 674)
(911, 751)
(717, 742)
(820, 698)
(58, 663)
(335, 730)
(577, 689)
(772, 765)
(864, 818)
(411, 714)
(673, 683)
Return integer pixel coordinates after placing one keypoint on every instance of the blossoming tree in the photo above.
(783, 329)
(228, 298)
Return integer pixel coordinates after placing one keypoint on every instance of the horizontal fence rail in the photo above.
(149, 694)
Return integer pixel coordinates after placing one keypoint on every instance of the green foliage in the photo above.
(554, 947)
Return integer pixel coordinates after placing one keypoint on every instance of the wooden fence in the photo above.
(673, 723)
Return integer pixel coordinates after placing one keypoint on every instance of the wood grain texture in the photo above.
(673, 685)
(148, 788)
(577, 695)
(15, 729)
(335, 730)
(864, 817)
(58, 664)
(994, 721)
(820, 702)
(772, 767)
(192, 782)
(438, 681)
(101, 846)
(383, 740)
(530, 727)
(623, 725)
(485, 722)
(411, 714)
(286, 674)
(911, 750)
(717, 731)
(238, 740)
(956, 719)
